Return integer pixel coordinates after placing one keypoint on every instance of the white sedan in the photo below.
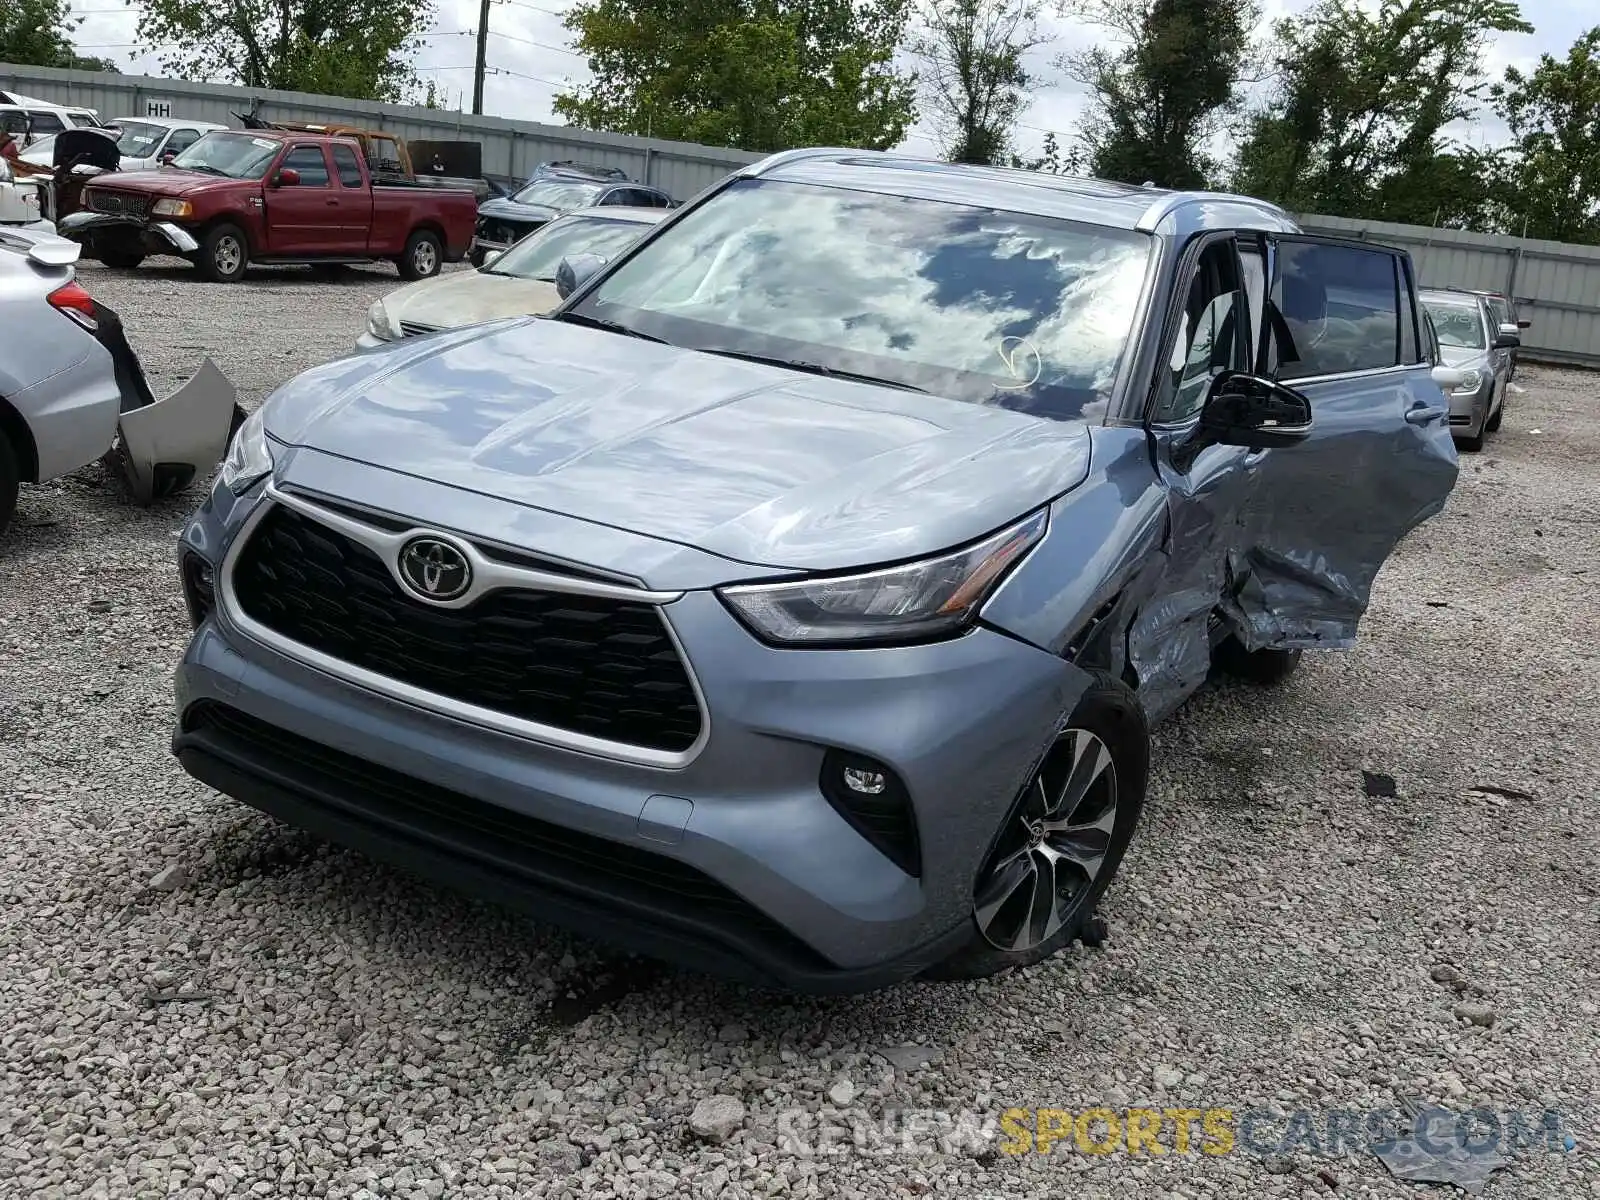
(519, 282)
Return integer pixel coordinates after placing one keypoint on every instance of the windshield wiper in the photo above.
(207, 168)
(811, 368)
(577, 318)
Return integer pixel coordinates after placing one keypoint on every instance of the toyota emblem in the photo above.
(434, 569)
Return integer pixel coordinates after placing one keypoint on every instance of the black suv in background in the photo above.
(554, 189)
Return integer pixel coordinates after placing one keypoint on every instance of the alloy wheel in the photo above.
(423, 258)
(1053, 848)
(227, 255)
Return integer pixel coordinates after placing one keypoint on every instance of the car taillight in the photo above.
(73, 301)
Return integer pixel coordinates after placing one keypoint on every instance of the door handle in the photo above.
(1423, 413)
(332, 202)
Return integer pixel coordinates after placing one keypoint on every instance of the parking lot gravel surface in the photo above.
(1375, 885)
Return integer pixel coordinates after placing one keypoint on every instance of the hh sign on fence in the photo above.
(158, 108)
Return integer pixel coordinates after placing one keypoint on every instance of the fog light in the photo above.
(868, 783)
(873, 799)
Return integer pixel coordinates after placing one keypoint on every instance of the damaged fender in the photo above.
(163, 446)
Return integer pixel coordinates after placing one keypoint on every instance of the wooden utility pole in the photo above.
(481, 67)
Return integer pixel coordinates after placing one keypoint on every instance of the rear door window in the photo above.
(45, 122)
(348, 166)
(1340, 306)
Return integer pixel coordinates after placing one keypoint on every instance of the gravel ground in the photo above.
(202, 1003)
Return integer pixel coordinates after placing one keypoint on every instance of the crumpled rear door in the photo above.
(1326, 514)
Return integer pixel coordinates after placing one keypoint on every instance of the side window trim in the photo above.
(1172, 323)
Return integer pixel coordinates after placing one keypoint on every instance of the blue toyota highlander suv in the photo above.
(793, 601)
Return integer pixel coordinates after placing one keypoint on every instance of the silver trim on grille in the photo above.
(488, 575)
(416, 329)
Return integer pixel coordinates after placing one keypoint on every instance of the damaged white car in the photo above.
(72, 390)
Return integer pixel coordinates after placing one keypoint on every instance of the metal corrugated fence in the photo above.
(1555, 285)
(509, 147)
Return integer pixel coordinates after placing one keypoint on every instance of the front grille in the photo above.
(604, 668)
(415, 329)
(501, 232)
(473, 827)
(126, 204)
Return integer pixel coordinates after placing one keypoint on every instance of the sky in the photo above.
(531, 63)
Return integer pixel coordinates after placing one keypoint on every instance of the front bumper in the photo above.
(159, 237)
(734, 862)
(1470, 411)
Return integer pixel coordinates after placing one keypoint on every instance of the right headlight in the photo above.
(249, 457)
(1470, 380)
(378, 322)
(935, 597)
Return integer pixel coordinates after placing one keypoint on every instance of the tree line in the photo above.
(1341, 109)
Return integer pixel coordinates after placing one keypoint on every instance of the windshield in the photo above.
(1458, 325)
(1026, 312)
(539, 254)
(561, 195)
(138, 140)
(236, 155)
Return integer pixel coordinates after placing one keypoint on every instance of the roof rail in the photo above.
(1172, 201)
(784, 157)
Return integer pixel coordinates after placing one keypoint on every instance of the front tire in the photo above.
(1492, 425)
(1063, 839)
(1268, 665)
(422, 257)
(224, 254)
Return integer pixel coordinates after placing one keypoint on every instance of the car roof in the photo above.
(1069, 197)
(169, 122)
(620, 212)
(1448, 294)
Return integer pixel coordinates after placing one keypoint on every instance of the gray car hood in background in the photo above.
(508, 209)
(751, 462)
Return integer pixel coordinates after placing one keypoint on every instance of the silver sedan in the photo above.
(1470, 340)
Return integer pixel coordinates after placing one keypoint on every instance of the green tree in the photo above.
(973, 81)
(356, 48)
(1158, 95)
(1551, 176)
(758, 75)
(1355, 124)
(38, 33)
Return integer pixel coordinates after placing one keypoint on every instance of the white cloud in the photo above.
(527, 50)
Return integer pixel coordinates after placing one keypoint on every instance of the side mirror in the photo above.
(1507, 341)
(1524, 324)
(166, 159)
(575, 271)
(1449, 378)
(492, 257)
(288, 177)
(1246, 410)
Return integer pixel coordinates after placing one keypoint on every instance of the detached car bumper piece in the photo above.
(163, 445)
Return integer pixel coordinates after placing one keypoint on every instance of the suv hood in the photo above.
(754, 463)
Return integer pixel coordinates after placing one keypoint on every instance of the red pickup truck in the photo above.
(233, 198)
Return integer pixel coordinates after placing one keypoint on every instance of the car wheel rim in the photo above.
(227, 255)
(423, 258)
(1053, 849)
